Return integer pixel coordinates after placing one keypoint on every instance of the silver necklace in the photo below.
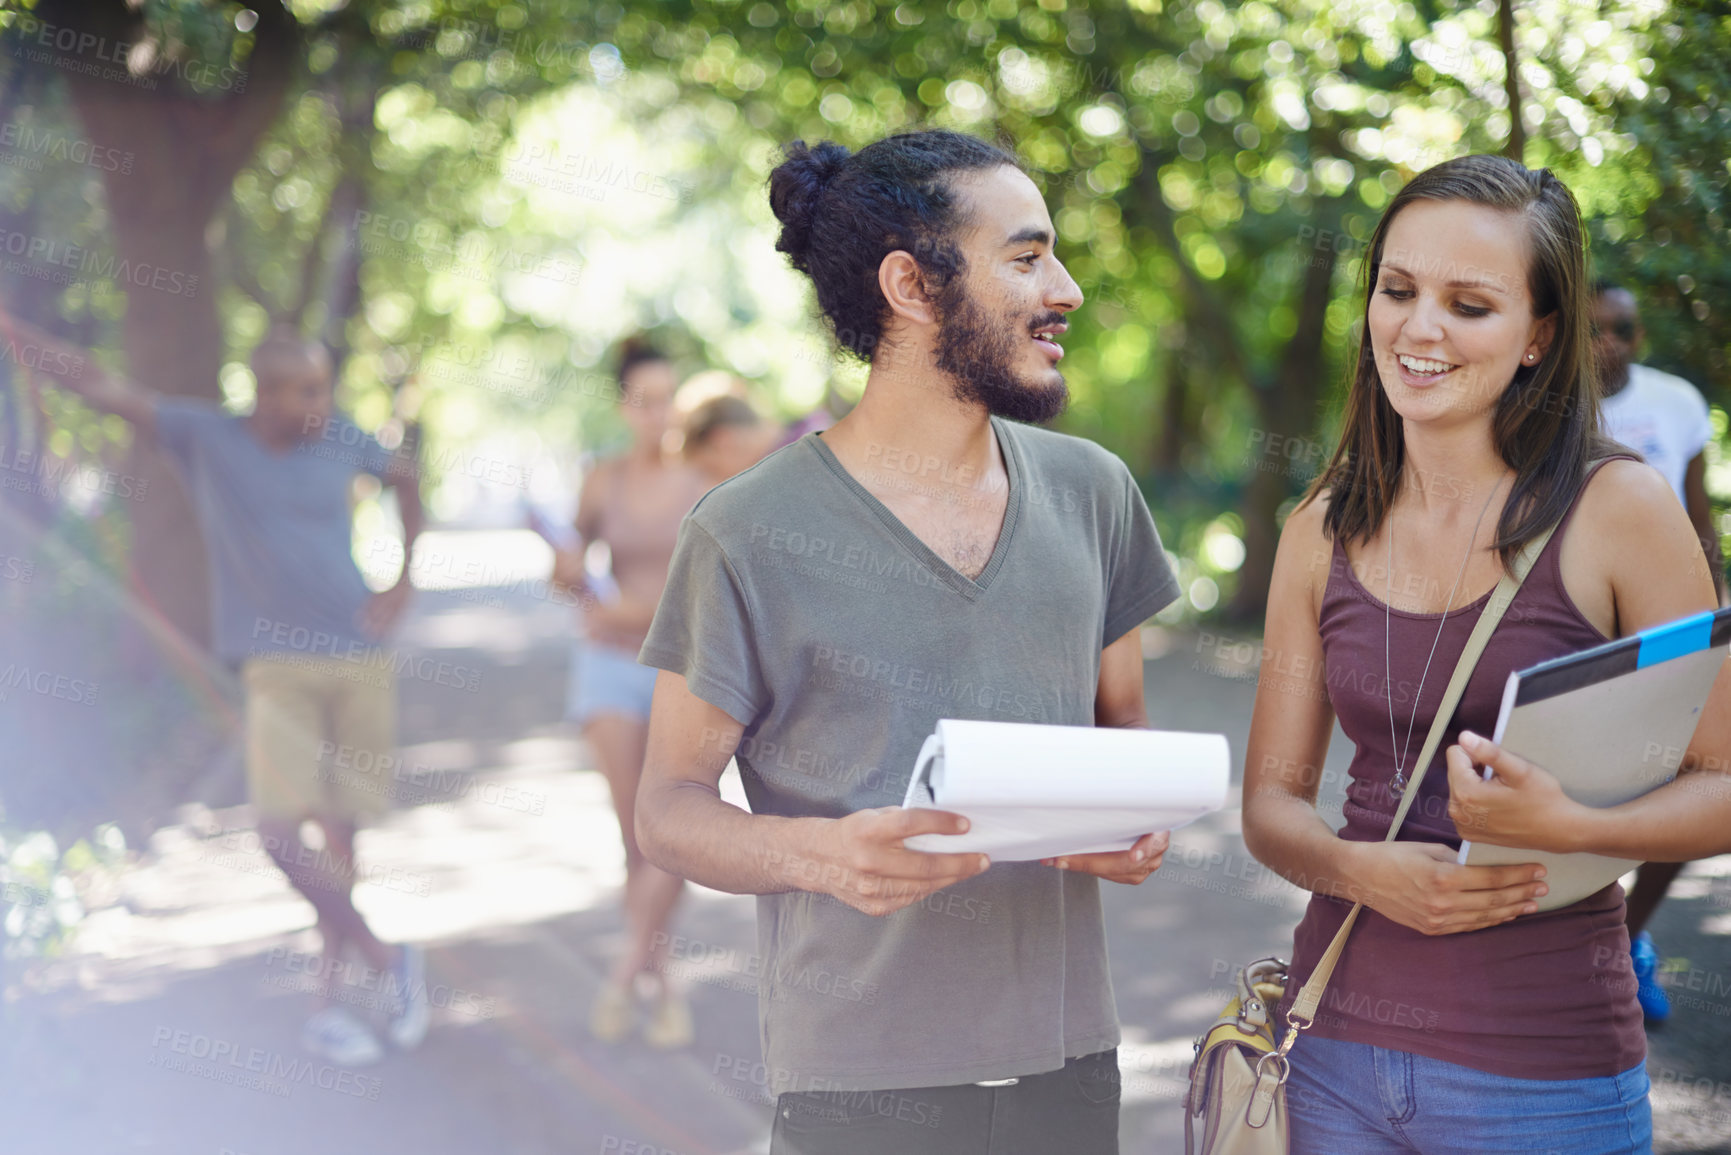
(1397, 787)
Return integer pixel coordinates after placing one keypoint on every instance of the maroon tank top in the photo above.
(1547, 996)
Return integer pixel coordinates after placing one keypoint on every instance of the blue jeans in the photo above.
(1356, 1099)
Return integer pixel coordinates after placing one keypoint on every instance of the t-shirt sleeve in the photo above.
(181, 422)
(703, 629)
(1697, 424)
(362, 449)
(1140, 583)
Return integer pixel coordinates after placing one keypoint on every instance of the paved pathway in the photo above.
(171, 1027)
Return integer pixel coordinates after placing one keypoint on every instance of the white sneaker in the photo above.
(409, 1022)
(337, 1035)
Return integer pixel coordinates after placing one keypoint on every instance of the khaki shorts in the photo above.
(320, 733)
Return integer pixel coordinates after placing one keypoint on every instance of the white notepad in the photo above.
(1032, 792)
(1611, 723)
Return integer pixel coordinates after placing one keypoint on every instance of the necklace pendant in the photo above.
(1397, 784)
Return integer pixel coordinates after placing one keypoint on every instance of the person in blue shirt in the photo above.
(291, 613)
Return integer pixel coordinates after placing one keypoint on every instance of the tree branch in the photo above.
(1516, 148)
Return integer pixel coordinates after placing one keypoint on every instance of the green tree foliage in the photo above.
(1214, 171)
(1658, 204)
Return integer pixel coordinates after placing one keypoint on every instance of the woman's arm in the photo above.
(590, 499)
(1416, 884)
(568, 565)
(625, 614)
(1293, 720)
(1638, 539)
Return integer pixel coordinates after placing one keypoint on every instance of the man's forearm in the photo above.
(37, 349)
(686, 829)
(1700, 509)
(70, 368)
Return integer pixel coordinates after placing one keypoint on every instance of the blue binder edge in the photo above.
(1624, 656)
(1683, 636)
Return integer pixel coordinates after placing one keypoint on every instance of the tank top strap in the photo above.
(1549, 568)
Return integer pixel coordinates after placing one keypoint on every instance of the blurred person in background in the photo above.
(707, 384)
(1664, 418)
(291, 613)
(831, 409)
(633, 503)
(724, 435)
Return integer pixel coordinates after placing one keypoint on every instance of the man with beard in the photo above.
(926, 557)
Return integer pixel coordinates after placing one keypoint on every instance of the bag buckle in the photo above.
(1262, 1098)
(1274, 1057)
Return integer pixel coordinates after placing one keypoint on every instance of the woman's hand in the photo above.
(568, 568)
(1523, 805)
(1419, 885)
(608, 617)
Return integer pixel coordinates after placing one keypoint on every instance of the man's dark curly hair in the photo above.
(842, 213)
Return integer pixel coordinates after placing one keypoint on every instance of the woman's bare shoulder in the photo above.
(1636, 560)
(1305, 558)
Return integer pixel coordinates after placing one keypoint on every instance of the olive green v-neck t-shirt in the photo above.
(802, 607)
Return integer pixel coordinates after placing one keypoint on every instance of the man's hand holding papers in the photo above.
(1087, 795)
(1131, 867)
(860, 859)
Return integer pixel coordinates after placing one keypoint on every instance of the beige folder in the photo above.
(1611, 723)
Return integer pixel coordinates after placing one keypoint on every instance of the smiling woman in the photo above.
(1471, 396)
(1470, 275)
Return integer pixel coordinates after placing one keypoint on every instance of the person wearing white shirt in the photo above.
(1664, 418)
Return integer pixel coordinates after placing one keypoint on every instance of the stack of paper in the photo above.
(1031, 792)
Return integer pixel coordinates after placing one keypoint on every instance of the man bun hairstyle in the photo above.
(795, 187)
(841, 213)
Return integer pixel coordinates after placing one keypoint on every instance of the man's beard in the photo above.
(1610, 373)
(978, 351)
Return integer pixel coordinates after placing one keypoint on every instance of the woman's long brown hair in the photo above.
(1546, 423)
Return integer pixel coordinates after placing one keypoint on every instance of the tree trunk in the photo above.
(1516, 148)
(1174, 430)
(1287, 409)
(187, 150)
